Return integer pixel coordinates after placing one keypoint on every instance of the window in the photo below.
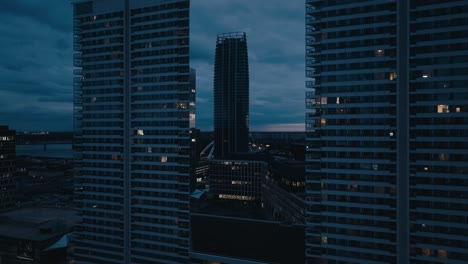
(442, 253)
(426, 252)
(443, 109)
(443, 156)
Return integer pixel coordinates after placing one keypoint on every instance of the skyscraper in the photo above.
(132, 113)
(192, 97)
(231, 94)
(7, 167)
(387, 144)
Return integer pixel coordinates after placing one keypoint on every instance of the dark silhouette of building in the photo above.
(231, 95)
(7, 167)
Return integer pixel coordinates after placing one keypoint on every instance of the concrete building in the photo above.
(387, 144)
(231, 95)
(132, 116)
(7, 167)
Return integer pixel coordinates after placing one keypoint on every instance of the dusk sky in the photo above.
(36, 61)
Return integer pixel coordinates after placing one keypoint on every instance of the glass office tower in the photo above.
(231, 95)
(387, 142)
(132, 96)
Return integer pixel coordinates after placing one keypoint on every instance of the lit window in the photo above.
(458, 109)
(93, 99)
(443, 109)
(324, 240)
(379, 53)
(426, 168)
(140, 132)
(426, 252)
(181, 105)
(443, 156)
(323, 121)
(393, 76)
(426, 73)
(194, 140)
(149, 149)
(338, 100)
(164, 159)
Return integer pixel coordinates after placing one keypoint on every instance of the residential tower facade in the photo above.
(387, 144)
(132, 111)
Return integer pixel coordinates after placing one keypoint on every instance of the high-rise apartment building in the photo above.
(387, 140)
(231, 95)
(132, 112)
(7, 167)
(192, 97)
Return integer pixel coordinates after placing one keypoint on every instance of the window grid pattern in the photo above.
(351, 131)
(132, 99)
(439, 134)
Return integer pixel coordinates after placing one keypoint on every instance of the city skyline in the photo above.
(37, 70)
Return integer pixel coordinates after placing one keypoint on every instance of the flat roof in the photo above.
(29, 223)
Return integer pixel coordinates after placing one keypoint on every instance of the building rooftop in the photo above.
(37, 223)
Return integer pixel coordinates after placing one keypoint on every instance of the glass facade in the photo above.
(231, 95)
(132, 111)
(386, 134)
(236, 179)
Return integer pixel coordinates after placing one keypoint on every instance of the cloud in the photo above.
(52, 13)
(275, 39)
(36, 68)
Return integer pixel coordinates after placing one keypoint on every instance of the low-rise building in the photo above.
(7, 167)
